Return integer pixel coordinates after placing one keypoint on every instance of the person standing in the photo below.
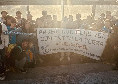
(3, 18)
(3, 47)
(78, 21)
(30, 24)
(56, 23)
(12, 37)
(18, 56)
(20, 22)
(70, 23)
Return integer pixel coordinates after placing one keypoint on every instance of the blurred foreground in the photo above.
(87, 73)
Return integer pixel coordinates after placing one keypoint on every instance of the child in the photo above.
(3, 47)
(18, 56)
(30, 55)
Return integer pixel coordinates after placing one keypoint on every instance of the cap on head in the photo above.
(78, 15)
(4, 12)
(18, 12)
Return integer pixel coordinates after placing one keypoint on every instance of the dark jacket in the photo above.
(0, 33)
(17, 53)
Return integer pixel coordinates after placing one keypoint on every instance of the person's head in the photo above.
(18, 14)
(24, 43)
(44, 13)
(78, 16)
(102, 16)
(108, 17)
(8, 20)
(13, 22)
(4, 14)
(70, 18)
(65, 19)
(29, 16)
(55, 17)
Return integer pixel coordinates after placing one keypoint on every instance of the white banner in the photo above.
(85, 42)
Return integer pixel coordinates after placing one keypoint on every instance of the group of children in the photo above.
(16, 46)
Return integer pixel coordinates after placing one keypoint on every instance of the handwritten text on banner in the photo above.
(85, 42)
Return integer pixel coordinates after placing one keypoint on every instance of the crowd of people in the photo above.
(46, 21)
(18, 50)
(17, 43)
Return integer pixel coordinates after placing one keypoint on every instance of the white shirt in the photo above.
(4, 38)
(2, 20)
